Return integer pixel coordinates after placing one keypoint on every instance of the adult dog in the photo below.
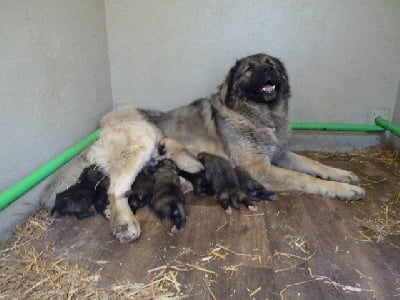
(246, 121)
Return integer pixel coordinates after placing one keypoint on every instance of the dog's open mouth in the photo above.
(268, 88)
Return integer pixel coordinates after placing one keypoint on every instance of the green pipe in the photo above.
(14, 192)
(393, 128)
(336, 127)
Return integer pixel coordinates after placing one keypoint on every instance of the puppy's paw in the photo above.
(252, 208)
(256, 192)
(178, 215)
(228, 210)
(107, 212)
(229, 197)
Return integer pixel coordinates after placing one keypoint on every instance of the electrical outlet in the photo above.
(374, 112)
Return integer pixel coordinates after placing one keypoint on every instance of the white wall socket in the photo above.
(374, 112)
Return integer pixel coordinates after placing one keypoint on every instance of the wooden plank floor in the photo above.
(298, 247)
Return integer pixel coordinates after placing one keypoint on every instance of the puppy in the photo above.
(199, 182)
(142, 189)
(251, 187)
(91, 189)
(168, 200)
(223, 182)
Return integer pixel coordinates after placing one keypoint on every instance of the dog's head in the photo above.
(259, 78)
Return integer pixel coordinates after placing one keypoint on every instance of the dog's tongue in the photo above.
(268, 88)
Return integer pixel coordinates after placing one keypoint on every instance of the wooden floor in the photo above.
(298, 247)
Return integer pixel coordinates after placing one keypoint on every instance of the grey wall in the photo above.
(54, 84)
(396, 119)
(343, 57)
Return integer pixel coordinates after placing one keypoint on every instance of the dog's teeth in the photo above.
(268, 88)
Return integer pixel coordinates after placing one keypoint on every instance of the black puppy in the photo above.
(202, 181)
(200, 184)
(253, 189)
(223, 181)
(90, 189)
(142, 189)
(168, 200)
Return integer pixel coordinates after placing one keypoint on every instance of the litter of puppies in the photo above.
(158, 185)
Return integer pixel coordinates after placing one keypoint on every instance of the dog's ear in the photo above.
(285, 88)
(225, 90)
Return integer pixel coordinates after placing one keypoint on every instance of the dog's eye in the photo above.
(249, 68)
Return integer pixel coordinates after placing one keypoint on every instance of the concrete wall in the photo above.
(54, 85)
(396, 119)
(343, 57)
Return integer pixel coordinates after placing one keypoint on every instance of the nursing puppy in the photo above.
(246, 120)
(142, 189)
(224, 182)
(91, 189)
(252, 188)
(168, 200)
(218, 175)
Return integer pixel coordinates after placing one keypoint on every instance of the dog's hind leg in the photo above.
(124, 224)
(126, 143)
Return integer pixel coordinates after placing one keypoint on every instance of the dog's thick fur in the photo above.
(246, 121)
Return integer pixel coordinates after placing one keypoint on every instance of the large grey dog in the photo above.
(246, 121)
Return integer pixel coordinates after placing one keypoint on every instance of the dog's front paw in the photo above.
(343, 191)
(342, 176)
(351, 178)
(352, 192)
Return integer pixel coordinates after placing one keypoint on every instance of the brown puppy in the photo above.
(168, 200)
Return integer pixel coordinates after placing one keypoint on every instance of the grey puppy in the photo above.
(246, 120)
